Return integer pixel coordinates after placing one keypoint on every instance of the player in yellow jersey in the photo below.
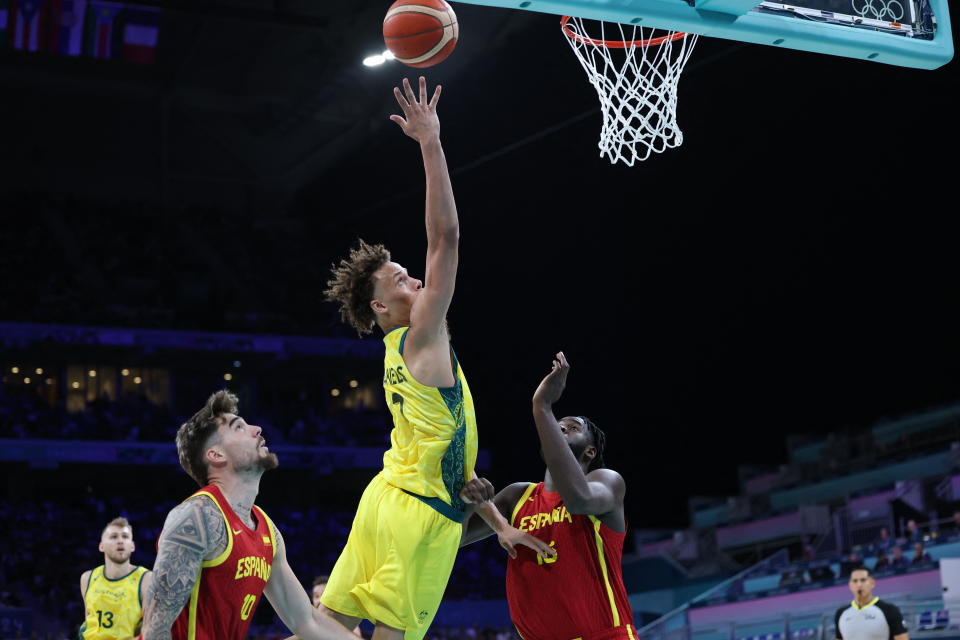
(405, 536)
(113, 592)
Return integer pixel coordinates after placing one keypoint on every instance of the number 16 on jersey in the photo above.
(541, 560)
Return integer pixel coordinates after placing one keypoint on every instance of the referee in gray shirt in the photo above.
(868, 617)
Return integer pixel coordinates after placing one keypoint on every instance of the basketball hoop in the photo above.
(638, 96)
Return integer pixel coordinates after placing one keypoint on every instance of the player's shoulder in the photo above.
(198, 510)
(507, 497)
(275, 529)
(514, 490)
(604, 472)
(200, 500)
(85, 577)
(608, 477)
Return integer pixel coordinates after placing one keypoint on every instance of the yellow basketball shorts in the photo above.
(397, 561)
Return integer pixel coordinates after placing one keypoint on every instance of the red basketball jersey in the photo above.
(579, 592)
(229, 586)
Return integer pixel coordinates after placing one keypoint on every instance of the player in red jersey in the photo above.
(219, 552)
(577, 510)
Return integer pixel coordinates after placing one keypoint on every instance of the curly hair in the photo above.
(196, 435)
(351, 285)
(599, 441)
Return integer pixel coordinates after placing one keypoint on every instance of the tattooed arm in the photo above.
(194, 531)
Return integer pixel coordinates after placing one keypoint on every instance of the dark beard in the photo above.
(271, 461)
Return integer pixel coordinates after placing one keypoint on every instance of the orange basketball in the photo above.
(420, 33)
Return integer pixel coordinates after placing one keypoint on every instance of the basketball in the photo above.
(420, 33)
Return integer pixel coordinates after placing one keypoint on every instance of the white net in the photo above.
(635, 71)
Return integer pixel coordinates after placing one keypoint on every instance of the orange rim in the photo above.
(617, 44)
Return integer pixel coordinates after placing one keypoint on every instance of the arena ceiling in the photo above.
(263, 105)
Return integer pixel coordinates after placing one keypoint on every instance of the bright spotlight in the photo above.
(373, 61)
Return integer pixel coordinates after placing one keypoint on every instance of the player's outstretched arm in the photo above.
(479, 492)
(292, 604)
(475, 528)
(597, 493)
(193, 531)
(420, 122)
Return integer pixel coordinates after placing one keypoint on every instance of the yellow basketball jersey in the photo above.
(114, 610)
(433, 445)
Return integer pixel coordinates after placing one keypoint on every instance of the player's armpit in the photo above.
(193, 531)
(84, 583)
(902, 636)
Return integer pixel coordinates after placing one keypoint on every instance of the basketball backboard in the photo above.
(907, 33)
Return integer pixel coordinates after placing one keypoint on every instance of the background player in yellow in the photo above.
(113, 592)
(405, 536)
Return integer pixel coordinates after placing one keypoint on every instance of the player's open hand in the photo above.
(551, 388)
(511, 537)
(419, 119)
(477, 490)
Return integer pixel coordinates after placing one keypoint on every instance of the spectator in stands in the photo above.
(884, 542)
(898, 561)
(883, 562)
(852, 562)
(913, 533)
(954, 526)
(792, 577)
(920, 556)
(821, 572)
